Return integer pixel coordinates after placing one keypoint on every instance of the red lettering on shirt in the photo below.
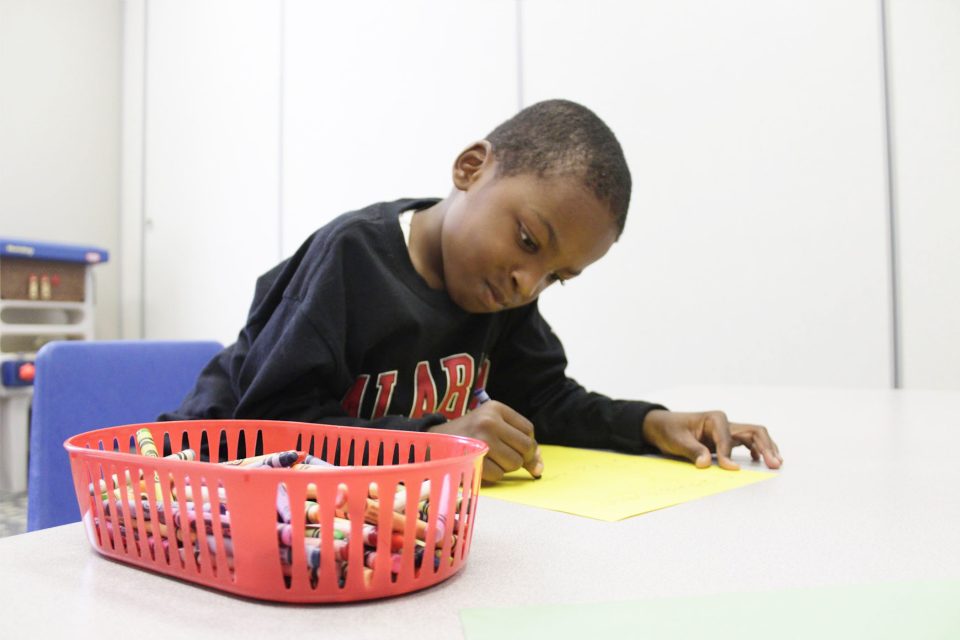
(354, 398)
(385, 384)
(424, 392)
(459, 371)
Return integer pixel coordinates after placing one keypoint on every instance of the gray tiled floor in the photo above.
(13, 513)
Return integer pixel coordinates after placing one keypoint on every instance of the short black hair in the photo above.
(558, 138)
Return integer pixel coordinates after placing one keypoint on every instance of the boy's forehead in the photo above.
(562, 196)
(575, 220)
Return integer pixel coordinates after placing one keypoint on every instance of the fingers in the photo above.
(691, 435)
(491, 470)
(499, 460)
(761, 445)
(684, 443)
(511, 439)
(511, 417)
(717, 427)
(535, 465)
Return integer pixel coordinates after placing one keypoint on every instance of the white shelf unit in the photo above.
(25, 326)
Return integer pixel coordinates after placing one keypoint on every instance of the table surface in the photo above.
(868, 494)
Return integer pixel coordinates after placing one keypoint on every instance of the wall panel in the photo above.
(756, 251)
(381, 96)
(924, 55)
(212, 165)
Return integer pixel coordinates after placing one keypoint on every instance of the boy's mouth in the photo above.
(496, 297)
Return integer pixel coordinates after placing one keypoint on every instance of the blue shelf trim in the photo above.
(33, 250)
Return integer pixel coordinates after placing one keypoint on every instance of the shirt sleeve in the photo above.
(284, 364)
(528, 373)
(287, 371)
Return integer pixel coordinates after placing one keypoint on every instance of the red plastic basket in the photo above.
(218, 525)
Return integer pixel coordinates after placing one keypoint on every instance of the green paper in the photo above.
(879, 611)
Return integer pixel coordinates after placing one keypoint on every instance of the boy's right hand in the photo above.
(508, 434)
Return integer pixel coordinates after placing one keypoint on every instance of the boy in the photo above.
(393, 315)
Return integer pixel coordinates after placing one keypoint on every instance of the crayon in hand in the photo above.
(535, 466)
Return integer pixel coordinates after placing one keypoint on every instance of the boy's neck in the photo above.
(425, 251)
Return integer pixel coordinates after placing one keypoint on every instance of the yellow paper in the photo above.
(613, 486)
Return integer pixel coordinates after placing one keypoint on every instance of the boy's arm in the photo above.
(528, 373)
(286, 370)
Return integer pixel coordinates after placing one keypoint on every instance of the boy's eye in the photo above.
(527, 240)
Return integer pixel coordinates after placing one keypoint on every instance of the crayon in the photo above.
(400, 497)
(341, 548)
(339, 499)
(311, 512)
(311, 547)
(442, 509)
(227, 545)
(204, 494)
(146, 444)
(368, 533)
(285, 533)
(105, 489)
(276, 460)
(537, 471)
(315, 461)
(186, 454)
(370, 558)
(371, 514)
(212, 548)
(283, 504)
(189, 516)
(367, 577)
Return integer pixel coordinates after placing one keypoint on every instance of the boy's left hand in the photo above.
(695, 435)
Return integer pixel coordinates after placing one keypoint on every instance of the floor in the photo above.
(13, 513)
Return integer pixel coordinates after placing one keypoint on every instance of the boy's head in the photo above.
(539, 200)
(557, 138)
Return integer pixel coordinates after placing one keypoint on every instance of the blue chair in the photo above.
(81, 386)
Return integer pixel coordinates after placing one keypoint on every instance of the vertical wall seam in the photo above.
(143, 173)
(119, 258)
(895, 307)
(519, 44)
(280, 129)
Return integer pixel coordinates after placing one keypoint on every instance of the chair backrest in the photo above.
(80, 386)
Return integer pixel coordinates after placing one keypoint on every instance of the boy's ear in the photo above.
(471, 164)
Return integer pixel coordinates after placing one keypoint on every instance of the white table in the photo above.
(869, 492)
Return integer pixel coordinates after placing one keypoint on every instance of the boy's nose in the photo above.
(527, 285)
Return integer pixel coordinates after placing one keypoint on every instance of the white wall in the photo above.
(368, 114)
(757, 251)
(380, 96)
(925, 109)
(59, 131)
(211, 156)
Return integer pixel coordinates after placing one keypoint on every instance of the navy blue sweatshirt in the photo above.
(347, 332)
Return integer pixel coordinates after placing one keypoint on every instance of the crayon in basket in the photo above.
(145, 443)
(189, 521)
(141, 487)
(278, 460)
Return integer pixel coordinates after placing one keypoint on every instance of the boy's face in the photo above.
(506, 239)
